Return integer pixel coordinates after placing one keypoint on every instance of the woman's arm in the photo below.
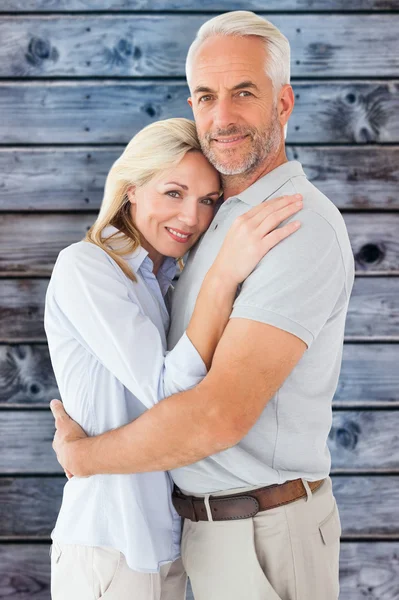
(251, 236)
(92, 300)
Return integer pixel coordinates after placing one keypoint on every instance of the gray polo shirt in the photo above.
(301, 286)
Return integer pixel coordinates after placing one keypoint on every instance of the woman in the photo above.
(117, 536)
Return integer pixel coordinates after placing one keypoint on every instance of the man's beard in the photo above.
(264, 143)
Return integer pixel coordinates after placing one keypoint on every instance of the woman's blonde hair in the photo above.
(158, 146)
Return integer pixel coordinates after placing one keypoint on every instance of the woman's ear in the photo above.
(131, 194)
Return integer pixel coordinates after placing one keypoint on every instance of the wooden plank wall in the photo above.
(77, 79)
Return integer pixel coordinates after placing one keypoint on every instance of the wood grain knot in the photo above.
(371, 254)
(347, 436)
(40, 50)
(151, 110)
(358, 117)
(319, 50)
(120, 54)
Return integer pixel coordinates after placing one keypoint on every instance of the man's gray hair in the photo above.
(245, 23)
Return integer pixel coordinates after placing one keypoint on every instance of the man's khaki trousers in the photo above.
(94, 572)
(286, 553)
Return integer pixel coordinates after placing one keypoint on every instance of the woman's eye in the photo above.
(173, 194)
(208, 201)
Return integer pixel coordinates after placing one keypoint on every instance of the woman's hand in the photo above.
(253, 234)
(67, 432)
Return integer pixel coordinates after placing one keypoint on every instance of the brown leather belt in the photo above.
(241, 506)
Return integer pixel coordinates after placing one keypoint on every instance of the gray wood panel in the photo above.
(373, 310)
(374, 241)
(368, 506)
(367, 570)
(355, 177)
(26, 376)
(20, 6)
(357, 442)
(362, 177)
(83, 112)
(58, 178)
(156, 46)
(369, 376)
(44, 237)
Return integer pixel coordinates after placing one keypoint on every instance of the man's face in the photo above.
(234, 104)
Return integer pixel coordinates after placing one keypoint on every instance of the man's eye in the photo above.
(173, 194)
(244, 93)
(204, 98)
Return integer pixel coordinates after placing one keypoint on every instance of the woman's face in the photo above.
(173, 209)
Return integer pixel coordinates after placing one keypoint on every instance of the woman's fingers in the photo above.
(276, 218)
(277, 235)
(259, 213)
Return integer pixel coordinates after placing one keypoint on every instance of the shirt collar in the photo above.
(139, 259)
(267, 185)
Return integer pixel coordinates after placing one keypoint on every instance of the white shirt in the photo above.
(107, 342)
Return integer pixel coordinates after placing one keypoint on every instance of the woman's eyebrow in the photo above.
(179, 184)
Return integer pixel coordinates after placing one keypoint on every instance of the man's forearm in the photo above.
(176, 432)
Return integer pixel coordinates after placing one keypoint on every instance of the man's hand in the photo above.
(67, 432)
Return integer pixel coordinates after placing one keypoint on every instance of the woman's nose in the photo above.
(189, 215)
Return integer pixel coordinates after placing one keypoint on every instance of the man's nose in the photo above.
(224, 115)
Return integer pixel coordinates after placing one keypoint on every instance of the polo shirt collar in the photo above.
(267, 185)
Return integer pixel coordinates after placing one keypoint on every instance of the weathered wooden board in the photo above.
(22, 309)
(362, 177)
(35, 179)
(368, 506)
(373, 311)
(44, 236)
(20, 6)
(26, 376)
(367, 570)
(81, 112)
(25, 571)
(358, 442)
(156, 45)
(66, 178)
(375, 241)
(369, 376)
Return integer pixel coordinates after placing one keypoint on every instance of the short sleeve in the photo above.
(296, 286)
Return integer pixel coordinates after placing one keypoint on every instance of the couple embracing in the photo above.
(195, 433)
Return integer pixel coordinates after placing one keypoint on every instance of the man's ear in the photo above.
(189, 100)
(131, 194)
(285, 104)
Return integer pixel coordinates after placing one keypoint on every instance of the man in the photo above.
(260, 518)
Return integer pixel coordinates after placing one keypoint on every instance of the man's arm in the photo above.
(251, 362)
